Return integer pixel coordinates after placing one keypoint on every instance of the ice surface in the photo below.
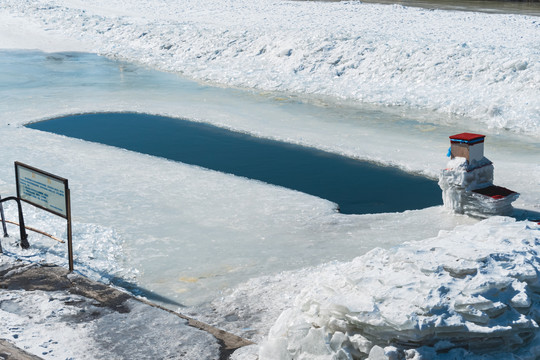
(188, 231)
(383, 83)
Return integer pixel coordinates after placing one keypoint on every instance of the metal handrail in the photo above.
(22, 229)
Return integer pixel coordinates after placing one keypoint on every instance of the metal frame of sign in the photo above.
(65, 212)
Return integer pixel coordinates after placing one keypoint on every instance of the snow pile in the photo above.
(458, 181)
(98, 250)
(448, 62)
(465, 293)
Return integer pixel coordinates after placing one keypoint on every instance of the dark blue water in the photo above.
(358, 187)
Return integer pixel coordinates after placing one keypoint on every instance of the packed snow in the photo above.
(383, 83)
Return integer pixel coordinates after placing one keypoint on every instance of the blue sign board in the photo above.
(44, 190)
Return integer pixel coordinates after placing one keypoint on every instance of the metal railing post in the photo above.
(24, 236)
(3, 224)
(3, 221)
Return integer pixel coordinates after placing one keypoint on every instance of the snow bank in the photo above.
(20, 33)
(467, 292)
(482, 66)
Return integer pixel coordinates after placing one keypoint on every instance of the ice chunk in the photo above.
(387, 353)
(468, 189)
(403, 310)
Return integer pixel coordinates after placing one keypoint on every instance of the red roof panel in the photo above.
(467, 137)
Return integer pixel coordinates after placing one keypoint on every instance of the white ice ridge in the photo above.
(482, 66)
(467, 293)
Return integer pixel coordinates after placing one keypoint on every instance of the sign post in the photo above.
(48, 192)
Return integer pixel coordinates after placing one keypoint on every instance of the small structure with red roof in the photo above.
(467, 182)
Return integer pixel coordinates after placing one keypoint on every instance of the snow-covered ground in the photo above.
(472, 64)
(383, 83)
(67, 317)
